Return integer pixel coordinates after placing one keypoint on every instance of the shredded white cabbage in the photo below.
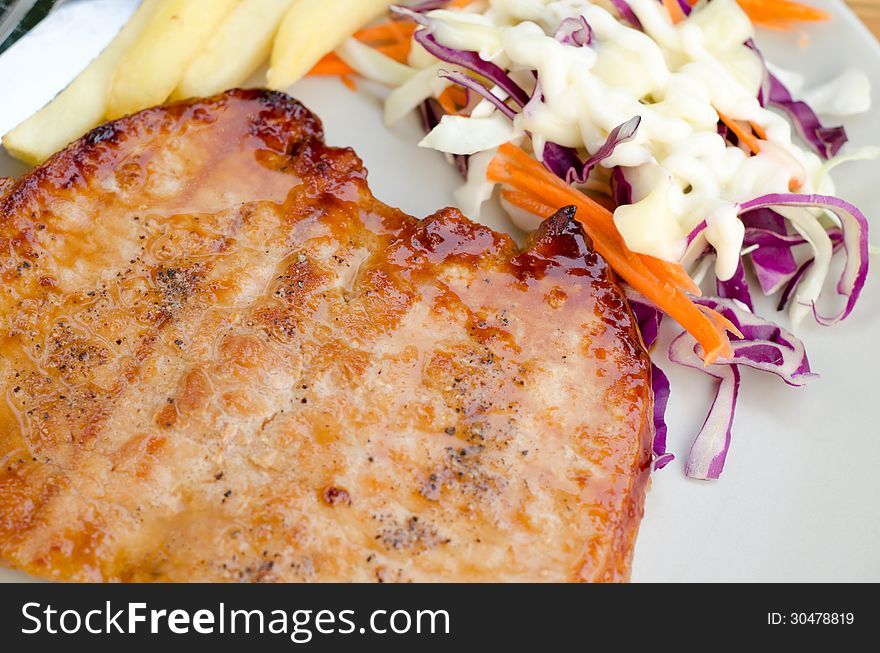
(372, 64)
(478, 189)
(848, 94)
(463, 135)
(677, 78)
(406, 98)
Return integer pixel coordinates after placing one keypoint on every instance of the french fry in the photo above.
(81, 105)
(235, 51)
(311, 29)
(150, 71)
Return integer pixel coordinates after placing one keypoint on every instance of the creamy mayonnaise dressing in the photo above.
(676, 77)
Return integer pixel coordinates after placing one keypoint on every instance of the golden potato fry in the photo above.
(175, 34)
(235, 51)
(313, 28)
(81, 105)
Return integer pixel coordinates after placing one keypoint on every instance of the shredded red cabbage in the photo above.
(854, 228)
(648, 319)
(766, 347)
(575, 31)
(737, 287)
(627, 13)
(660, 386)
(473, 62)
(685, 7)
(565, 163)
(473, 85)
(696, 231)
(709, 450)
(773, 260)
(826, 141)
(621, 190)
(429, 5)
(412, 13)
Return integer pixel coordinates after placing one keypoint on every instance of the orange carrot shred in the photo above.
(390, 31)
(745, 136)
(776, 13)
(531, 196)
(535, 187)
(331, 65)
(349, 82)
(720, 321)
(527, 202)
(532, 177)
(759, 131)
(393, 38)
(447, 100)
(674, 10)
(674, 273)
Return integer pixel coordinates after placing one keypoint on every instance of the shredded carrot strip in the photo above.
(536, 187)
(393, 31)
(331, 65)
(527, 172)
(452, 99)
(534, 178)
(675, 11)
(398, 51)
(527, 202)
(720, 321)
(445, 100)
(745, 136)
(532, 194)
(776, 13)
(671, 272)
(549, 187)
(393, 38)
(759, 131)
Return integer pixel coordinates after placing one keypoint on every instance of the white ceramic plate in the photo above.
(799, 499)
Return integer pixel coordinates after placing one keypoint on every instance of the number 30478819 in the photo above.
(815, 618)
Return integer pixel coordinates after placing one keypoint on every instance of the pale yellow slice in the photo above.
(173, 37)
(81, 105)
(312, 29)
(236, 50)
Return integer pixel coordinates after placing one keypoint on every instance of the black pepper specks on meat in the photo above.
(412, 534)
(337, 496)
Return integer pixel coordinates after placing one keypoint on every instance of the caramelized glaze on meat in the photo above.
(224, 360)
